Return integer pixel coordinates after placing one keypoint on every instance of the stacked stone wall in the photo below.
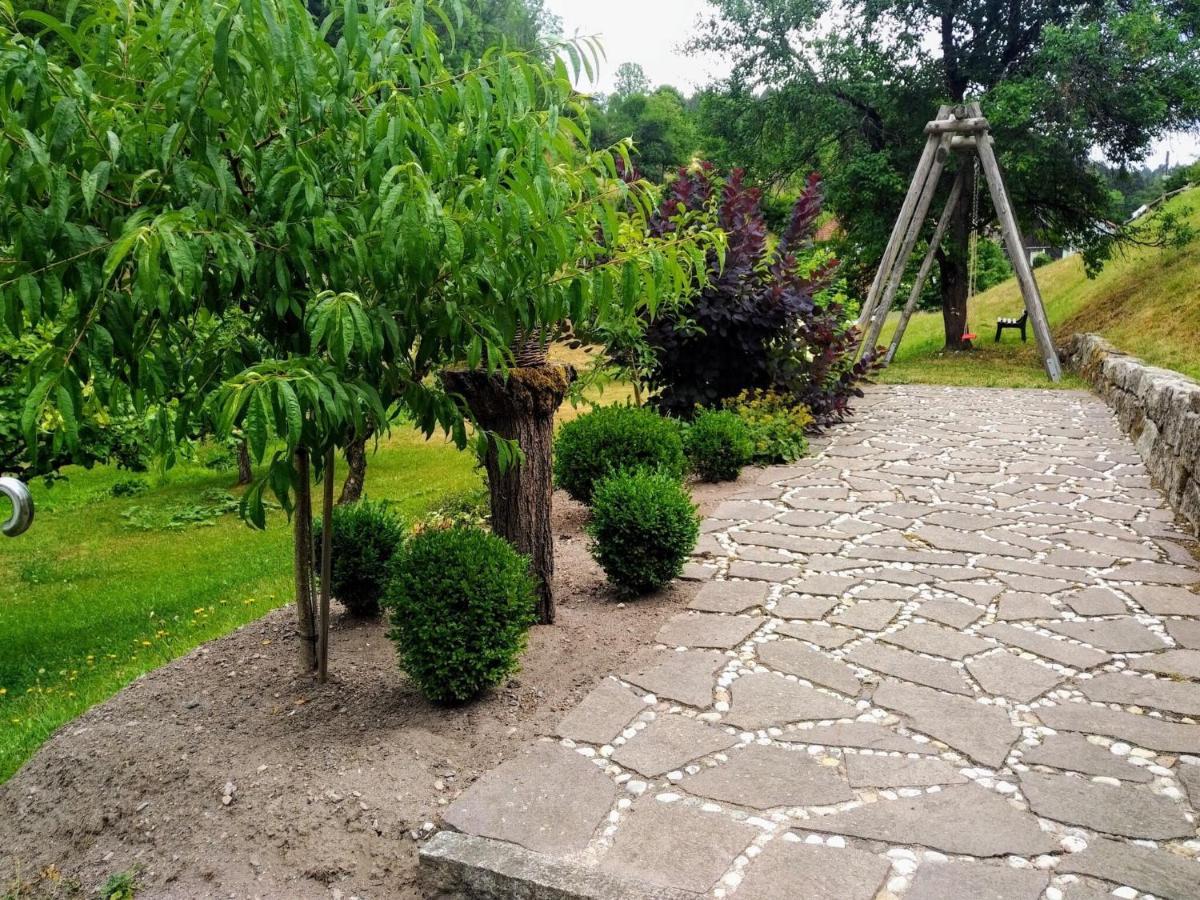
(1159, 408)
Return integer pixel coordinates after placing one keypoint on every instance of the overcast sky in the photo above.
(651, 32)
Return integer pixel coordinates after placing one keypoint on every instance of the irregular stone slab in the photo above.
(1060, 651)
(602, 714)
(730, 596)
(675, 845)
(668, 743)
(935, 640)
(1031, 584)
(1138, 690)
(766, 777)
(787, 870)
(885, 591)
(1119, 635)
(983, 733)
(899, 576)
(1005, 674)
(1096, 601)
(1016, 605)
(949, 574)
(1111, 809)
(1189, 777)
(522, 801)
(1075, 753)
(978, 881)
(795, 658)
(1144, 731)
(765, 699)
(1158, 872)
(1186, 632)
(899, 771)
(807, 518)
(704, 631)
(1156, 573)
(1164, 601)
(961, 818)
(826, 585)
(685, 676)
(793, 606)
(966, 541)
(1176, 663)
(828, 636)
(950, 612)
(980, 593)
(864, 735)
(755, 571)
(910, 667)
(791, 542)
(744, 511)
(869, 615)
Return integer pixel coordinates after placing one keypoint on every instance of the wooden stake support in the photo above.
(961, 129)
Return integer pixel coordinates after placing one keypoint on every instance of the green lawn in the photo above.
(91, 599)
(1146, 301)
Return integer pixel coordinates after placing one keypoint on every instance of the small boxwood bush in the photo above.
(461, 602)
(365, 537)
(612, 439)
(718, 445)
(643, 527)
(778, 425)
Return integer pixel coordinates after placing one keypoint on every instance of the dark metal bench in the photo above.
(1020, 323)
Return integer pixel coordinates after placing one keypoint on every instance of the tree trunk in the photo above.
(245, 471)
(953, 263)
(302, 524)
(521, 408)
(356, 474)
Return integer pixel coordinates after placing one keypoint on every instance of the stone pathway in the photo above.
(954, 655)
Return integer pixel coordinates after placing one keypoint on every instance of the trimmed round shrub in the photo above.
(365, 537)
(461, 602)
(643, 527)
(613, 439)
(718, 445)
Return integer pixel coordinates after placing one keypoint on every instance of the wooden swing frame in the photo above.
(964, 129)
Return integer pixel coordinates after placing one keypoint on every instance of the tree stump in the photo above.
(520, 407)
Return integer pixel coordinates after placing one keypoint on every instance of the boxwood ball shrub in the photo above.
(718, 445)
(365, 537)
(461, 602)
(612, 439)
(643, 527)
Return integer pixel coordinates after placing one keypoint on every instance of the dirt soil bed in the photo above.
(331, 787)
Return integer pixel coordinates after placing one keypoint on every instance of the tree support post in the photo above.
(519, 406)
(302, 525)
(326, 567)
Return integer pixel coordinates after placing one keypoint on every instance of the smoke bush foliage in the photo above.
(767, 316)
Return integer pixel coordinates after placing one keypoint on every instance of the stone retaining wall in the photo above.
(1159, 408)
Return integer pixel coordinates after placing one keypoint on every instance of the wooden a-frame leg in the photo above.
(901, 224)
(926, 265)
(1016, 254)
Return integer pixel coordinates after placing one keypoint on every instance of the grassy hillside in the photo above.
(1146, 301)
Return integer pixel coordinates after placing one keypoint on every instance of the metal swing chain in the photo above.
(973, 251)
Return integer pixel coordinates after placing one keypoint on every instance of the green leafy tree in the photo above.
(631, 80)
(351, 214)
(659, 124)
(1056, 80)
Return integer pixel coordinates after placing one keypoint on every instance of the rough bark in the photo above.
(953, 262)
(245, 471)
(521, 408)
(302, 525)
(356, 471)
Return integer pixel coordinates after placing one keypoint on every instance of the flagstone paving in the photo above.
(954, 654)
